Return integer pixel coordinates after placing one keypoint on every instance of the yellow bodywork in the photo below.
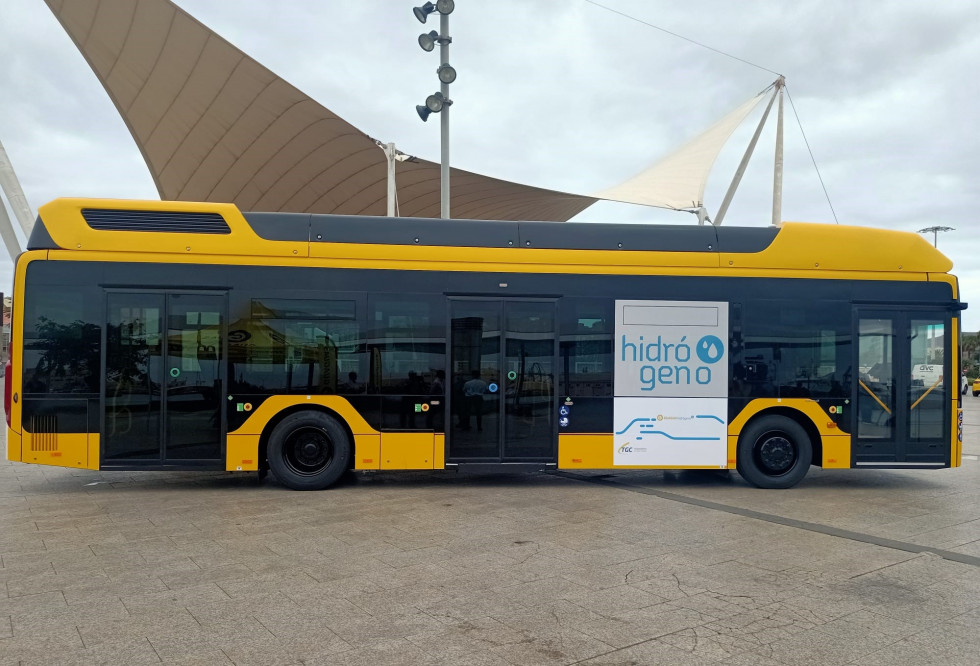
(80, 450)
(836, 444)
(373, 449)
(799, 250)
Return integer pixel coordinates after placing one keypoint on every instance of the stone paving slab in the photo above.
(439, 568)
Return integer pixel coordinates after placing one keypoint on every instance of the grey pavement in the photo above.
(860, 567)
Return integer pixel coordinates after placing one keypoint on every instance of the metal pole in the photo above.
(444, 120)
(15, 195)
(777, 172)
(7, 234)
(741, 167)
(390, 154)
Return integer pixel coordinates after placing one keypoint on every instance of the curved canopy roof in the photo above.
(215, 125)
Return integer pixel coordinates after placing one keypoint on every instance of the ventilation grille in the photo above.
(45, 433)
(151, 220)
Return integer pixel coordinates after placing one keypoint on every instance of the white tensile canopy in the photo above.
(215, 125)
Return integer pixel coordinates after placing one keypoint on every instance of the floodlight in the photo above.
(446, 73)
(435, 102)
(427, 40)
(421, 13)
(445, 6)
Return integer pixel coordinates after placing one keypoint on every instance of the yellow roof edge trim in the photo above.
(798, 246)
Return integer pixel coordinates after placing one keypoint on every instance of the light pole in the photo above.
(439, 102)
(935, 233)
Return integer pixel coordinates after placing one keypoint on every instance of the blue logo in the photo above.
(563, 411)
(563, 422)
(710, 349)
(492, 388)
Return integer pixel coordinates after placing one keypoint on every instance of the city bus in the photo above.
(152, 335)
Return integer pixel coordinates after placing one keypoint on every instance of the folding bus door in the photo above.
(502, 380)
(163, 387)
(902, 395)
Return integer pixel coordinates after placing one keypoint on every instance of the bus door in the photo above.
(502, 380)
(903, 389)
(163, 387)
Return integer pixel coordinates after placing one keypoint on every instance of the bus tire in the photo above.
(309, 450)
(774, 452)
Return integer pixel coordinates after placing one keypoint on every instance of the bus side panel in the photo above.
(585, 451)
(13, 445)
(406, 450)
(61, 449)
(242, 453)
(367, 452)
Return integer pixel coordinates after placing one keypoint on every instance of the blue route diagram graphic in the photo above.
(649, 425)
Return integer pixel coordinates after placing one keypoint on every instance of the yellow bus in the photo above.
(155, 335)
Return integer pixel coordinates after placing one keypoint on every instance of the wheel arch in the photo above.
(295, 409)
(805, 422)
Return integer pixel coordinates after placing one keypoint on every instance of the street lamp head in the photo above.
(427, 40)
(423, 112)
(446, 73)
(435, 102)
(421, 13)
(445, 6)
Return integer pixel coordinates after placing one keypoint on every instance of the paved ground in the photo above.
(851, 567)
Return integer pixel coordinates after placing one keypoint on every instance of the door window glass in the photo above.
(876, 381)
(927, 393)
(134, 370)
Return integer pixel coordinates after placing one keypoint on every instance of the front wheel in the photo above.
(774, 452)
(309, 450)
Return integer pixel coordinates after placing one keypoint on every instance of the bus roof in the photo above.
(179, 227)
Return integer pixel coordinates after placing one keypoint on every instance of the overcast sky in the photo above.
(570, 96)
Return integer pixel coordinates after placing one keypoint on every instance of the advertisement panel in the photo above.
(671, 383)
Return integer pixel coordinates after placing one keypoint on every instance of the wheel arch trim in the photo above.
(831, 447)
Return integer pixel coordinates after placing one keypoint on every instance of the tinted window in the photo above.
(406, 343)
(790, 349)
(62, 339)
(296, 346)
(585, 347)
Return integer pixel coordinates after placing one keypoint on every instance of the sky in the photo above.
(572, 96)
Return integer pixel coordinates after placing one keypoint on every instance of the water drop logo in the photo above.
(710, 349)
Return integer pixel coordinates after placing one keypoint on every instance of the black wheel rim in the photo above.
(775, 453)
(308, 451)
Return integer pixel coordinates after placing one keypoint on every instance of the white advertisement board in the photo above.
(671, 383)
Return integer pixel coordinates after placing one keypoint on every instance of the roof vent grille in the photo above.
(150, 220)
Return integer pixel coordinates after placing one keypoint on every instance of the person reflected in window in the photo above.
(353, 385)
(473, 392)
(437, 392)
(438, 386)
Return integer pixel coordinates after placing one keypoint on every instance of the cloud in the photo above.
(572, 96)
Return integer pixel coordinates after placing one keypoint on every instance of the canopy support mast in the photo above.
(741, 167)
(777, 172)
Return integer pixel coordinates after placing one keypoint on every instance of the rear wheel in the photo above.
(774, 452)
(309, 450)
